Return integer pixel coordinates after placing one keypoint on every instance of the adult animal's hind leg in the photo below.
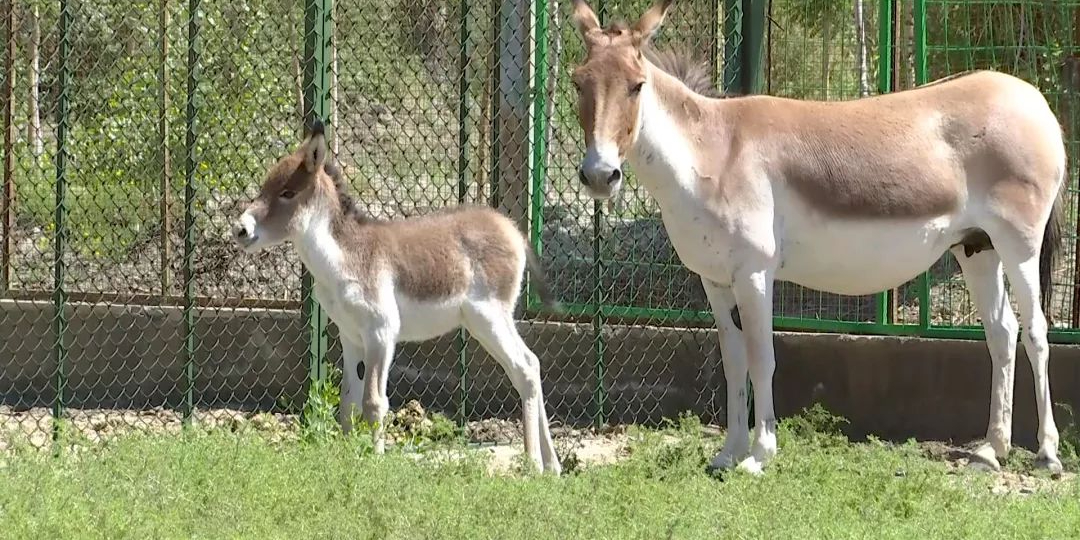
(490, 324)
(1021, 261)
(985, 280)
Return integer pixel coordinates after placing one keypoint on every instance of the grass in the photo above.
(226, 485)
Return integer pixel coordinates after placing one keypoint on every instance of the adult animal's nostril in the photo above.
(616, 175)
(241, 232)
(581, 177)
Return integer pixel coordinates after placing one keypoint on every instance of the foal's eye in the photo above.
(287, 194)
(636, 89)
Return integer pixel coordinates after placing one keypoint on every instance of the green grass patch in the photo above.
(241, 485)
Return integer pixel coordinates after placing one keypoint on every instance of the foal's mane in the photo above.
(349, 208)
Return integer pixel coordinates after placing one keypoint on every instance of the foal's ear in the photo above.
(650, 21)
(315, 147)
(585, 18)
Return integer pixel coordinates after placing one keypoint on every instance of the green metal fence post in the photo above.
(886, 50)
(191, 163)
(733, 38)
(752, 69)
(462, 192)
(60, 236)
(598, 297)
(921, 78)
(317, 36)
(540, 121)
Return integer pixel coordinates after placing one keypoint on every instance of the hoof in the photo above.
(983, 459)
(1049, 464)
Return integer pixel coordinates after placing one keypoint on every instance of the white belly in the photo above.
(417, 321)
(851, 257)
(856, 257)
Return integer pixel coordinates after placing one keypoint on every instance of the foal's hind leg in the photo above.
(491, 324)
(547, 445)
(984, 278)
(1021, 259)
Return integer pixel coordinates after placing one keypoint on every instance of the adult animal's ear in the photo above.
(645, 28)
(585, 18)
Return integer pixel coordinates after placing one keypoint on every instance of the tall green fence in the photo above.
(135, 131)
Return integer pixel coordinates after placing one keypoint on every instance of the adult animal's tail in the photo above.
(1051, 244)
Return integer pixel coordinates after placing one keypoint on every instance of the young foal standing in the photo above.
(385, 282)
(850, 197)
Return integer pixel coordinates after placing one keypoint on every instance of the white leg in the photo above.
(753, 294)
(493, 326)
(733, 357)
(547, 445)
(985, 280)
(352, 384)
(1023, 272)
(379, 353)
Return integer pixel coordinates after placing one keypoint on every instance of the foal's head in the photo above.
(609, 85)
(289, 196)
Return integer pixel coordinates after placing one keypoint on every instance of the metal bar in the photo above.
(753, 41)
(165, 188)
(921, 78)
(8, 247)
(540, 122)
(716, 38)
(317, 36)
(495, 64)
(598, 297)
(153, 299)
(886, 52)
(60, 237)
(664, 318)
(462, 192)
(191, 160)
(732, 45)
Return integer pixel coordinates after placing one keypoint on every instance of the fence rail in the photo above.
(132, 132)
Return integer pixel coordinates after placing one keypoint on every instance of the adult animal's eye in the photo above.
(287, 194)
(636, 89)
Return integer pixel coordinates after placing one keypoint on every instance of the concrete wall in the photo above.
(131, 356)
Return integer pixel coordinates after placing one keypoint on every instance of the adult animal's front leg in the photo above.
(733, 357)
(753, 293)
(379, 352)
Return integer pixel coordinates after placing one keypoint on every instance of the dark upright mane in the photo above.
(681, 65)
(349, 208)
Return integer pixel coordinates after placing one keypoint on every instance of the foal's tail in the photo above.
(539, 280)
(1051, 243)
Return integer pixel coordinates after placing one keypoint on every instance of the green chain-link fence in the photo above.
(134, 131)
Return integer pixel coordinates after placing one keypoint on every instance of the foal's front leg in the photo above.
(733, 358)
(352, 383)
(753, 293)
(378, 353)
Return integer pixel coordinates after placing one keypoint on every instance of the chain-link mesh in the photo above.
(136, 131)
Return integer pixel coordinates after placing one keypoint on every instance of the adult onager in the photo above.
(385, 282)
(850, 197)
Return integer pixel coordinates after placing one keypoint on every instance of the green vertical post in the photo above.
(921, 78)
(60, 236)
(733, 38)
(191, 164)
(886, 51)
(540, 123)
(752, 70)
(716, 39)
(462, 192)
(598, 296)
(317, 36)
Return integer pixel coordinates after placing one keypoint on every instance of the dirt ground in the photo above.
(499, 439)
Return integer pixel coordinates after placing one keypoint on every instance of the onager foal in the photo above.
(386, 282)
